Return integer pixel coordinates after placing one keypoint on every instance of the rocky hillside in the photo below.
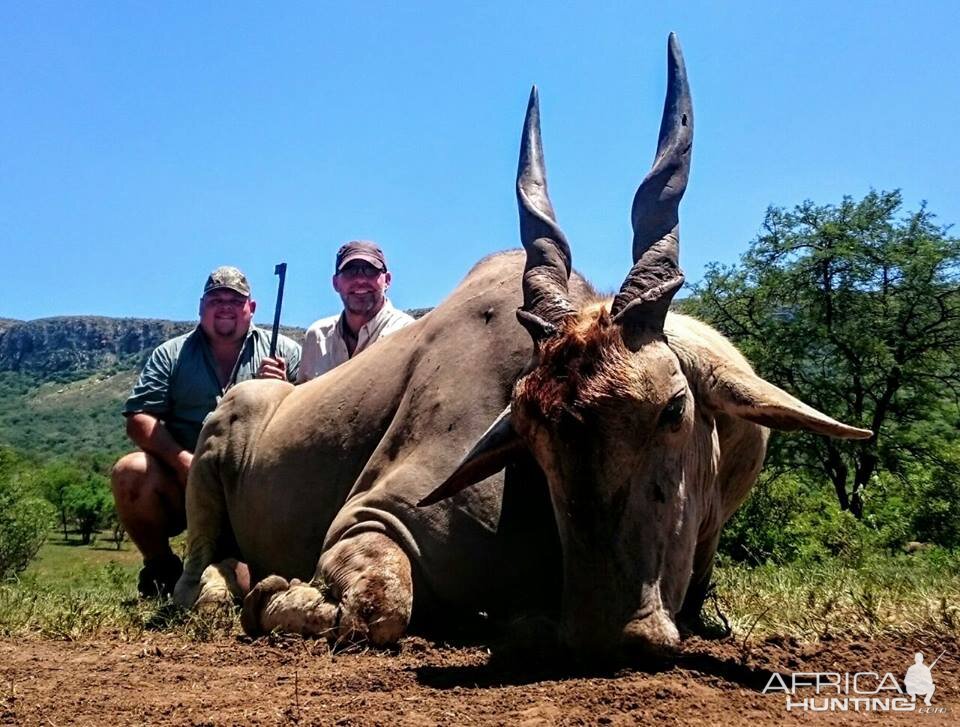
(62, 347)
(63, 380)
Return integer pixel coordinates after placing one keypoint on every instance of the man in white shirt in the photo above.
(361, 278)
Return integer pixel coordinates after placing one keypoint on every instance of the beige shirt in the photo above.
(324, 347)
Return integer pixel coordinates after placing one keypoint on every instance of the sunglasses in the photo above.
(360, 271)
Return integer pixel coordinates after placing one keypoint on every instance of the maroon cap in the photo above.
(365, 250)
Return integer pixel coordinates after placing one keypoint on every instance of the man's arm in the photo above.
(149, 404)
(150, 434)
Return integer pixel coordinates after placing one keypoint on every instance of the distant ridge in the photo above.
(63, 380)
(79, 344)
(64, 346)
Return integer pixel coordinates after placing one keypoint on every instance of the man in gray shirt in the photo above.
(181, 383)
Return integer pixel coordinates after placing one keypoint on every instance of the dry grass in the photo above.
(106, 604)
(75, 592)
(72, 592)
(880, 594)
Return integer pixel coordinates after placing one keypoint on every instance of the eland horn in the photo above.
(545, 299)
(655, 277)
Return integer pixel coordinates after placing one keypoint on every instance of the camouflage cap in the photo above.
(365, 250)
(227, 277)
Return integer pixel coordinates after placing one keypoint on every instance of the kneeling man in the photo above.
(181, 383)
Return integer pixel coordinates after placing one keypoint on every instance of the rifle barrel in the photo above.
(280, 270)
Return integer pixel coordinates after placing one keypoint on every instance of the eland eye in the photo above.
(672, 414)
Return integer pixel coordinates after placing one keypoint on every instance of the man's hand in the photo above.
(273, 368)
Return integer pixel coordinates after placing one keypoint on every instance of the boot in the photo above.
(159, 575)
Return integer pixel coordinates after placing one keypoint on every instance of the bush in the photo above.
(760, 530)
(55, 479)
(791, 518)
(795, 517)
(90, 502)
(935, 515)
(25, 518)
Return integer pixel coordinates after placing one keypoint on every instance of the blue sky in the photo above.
(143, 144)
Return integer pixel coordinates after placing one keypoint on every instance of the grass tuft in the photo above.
(73, 592)
(872, 596)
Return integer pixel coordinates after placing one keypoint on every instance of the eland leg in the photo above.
(223, 585)
(206, 526)
(690, 618)
(369, 598)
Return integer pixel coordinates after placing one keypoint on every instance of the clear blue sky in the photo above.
(144, 143)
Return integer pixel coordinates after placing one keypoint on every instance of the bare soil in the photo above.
(166, 680)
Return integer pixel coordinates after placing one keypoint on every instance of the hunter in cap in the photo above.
(181, 383)
(361, 278)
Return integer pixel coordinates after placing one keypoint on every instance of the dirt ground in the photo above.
(163, 680)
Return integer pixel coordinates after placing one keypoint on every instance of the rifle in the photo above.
(280, 270)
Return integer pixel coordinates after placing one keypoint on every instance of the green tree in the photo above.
(118, 532)
(854, 308)
(89, 502)
(56, 479)
(25, 516)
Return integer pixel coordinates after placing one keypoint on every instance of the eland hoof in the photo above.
(257, 600)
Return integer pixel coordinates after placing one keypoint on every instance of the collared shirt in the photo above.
(179, 383)
(324, 347)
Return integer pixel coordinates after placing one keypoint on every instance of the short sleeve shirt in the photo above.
(325, 349)
(179, 383)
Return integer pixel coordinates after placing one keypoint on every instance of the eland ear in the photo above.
(740, 392)
(497, 448)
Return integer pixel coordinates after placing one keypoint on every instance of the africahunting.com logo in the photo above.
(862, 691)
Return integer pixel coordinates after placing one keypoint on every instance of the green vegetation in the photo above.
(73, 591)
(63, 418)
(70, 565)
(855, 309)
(89, 500)
(25, 516)
(34, 495)
(794, 518)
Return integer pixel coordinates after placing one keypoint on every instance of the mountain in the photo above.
(63, 380)
(63, 347)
